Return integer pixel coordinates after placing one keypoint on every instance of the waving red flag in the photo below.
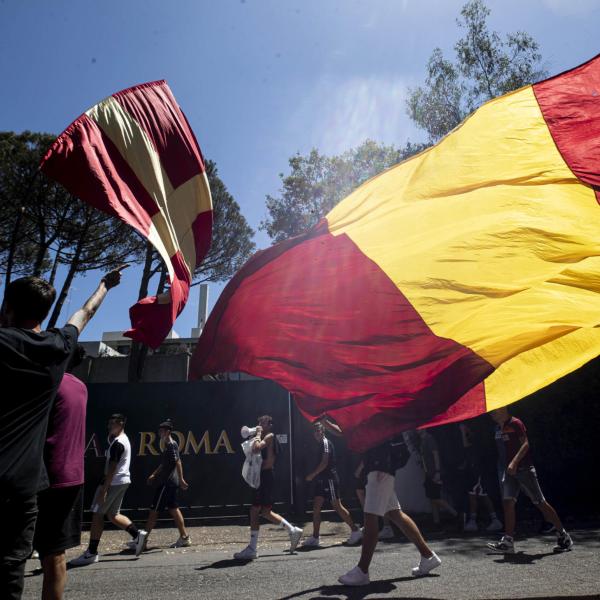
(134, 156)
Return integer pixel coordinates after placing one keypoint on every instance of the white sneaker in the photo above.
(471, 525)
(387, 533)
(426, 565)
(311, 542)
(495, 525)
(182, 542)
(246, 554)
(355, 577)
(87, 558)
(140, 541)
(355, 538)
(295, 536)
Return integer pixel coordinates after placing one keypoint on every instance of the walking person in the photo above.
(60, 506)
(327, 486)
(169, 478)
(267, 445)
(381, 464)
(520, 474)
(109, 494)
(430, 461)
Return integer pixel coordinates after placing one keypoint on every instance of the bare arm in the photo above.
(331, 426)
(83, 316)
(110, 473)
(514, 463)
(260, 444)
(182, 482)
(320, 468)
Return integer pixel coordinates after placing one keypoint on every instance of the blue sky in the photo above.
(258, 80)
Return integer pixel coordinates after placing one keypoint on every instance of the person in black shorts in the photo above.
(32, 364)
(169, 477)
(327, 484)
(60, 506)
(267, 445)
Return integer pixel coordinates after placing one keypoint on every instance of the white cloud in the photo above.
(338, 115)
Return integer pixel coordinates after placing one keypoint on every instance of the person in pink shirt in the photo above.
(60, 505)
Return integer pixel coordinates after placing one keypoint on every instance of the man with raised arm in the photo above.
(32, 365)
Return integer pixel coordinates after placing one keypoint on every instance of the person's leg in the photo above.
(411, 531)
(179, 522)
(317, 506)
(345, 515)
(54, 567)
(435, 512)
(16, 544)
(96, 529)
(550, 514)
(369, 541)
(509, 516)
(151, 522)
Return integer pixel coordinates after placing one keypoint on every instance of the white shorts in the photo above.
(380, 495)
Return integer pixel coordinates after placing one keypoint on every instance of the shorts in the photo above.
(328, 487)
(15, 543)
(263, 496)
(58, 525)
(380, 495)
(114, 499)
(526, 480)
(473, 480)
(433, 490)
(165, 498)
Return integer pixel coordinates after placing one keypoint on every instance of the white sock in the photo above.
(253, 539)
(286, 525)
(473, 517)
(493, 516)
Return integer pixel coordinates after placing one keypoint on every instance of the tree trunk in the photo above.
(139, 351)
(13, 246)
(54, 267)
(73, 268)
(64, 291)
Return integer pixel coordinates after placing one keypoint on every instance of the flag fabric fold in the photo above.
(134, 156)
(456, 282)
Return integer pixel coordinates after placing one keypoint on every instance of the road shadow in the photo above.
(343, 592)
(228, 563)
(520, 558)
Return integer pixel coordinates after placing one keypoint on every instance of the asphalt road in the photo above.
(207, 571)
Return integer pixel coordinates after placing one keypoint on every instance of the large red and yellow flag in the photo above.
(134, 156)
(456, 282)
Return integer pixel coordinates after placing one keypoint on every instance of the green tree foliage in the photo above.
(486, 65)
(316, 183)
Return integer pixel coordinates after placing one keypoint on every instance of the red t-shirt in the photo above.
(511, 434)
(65, 440)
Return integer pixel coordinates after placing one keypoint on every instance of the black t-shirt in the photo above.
(388, 457)
(168, 474)
(326, 448)
(32, 366)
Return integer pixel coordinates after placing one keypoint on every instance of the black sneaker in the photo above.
(564, 543)
(504, 546)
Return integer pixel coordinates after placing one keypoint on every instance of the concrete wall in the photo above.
(111, 369)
